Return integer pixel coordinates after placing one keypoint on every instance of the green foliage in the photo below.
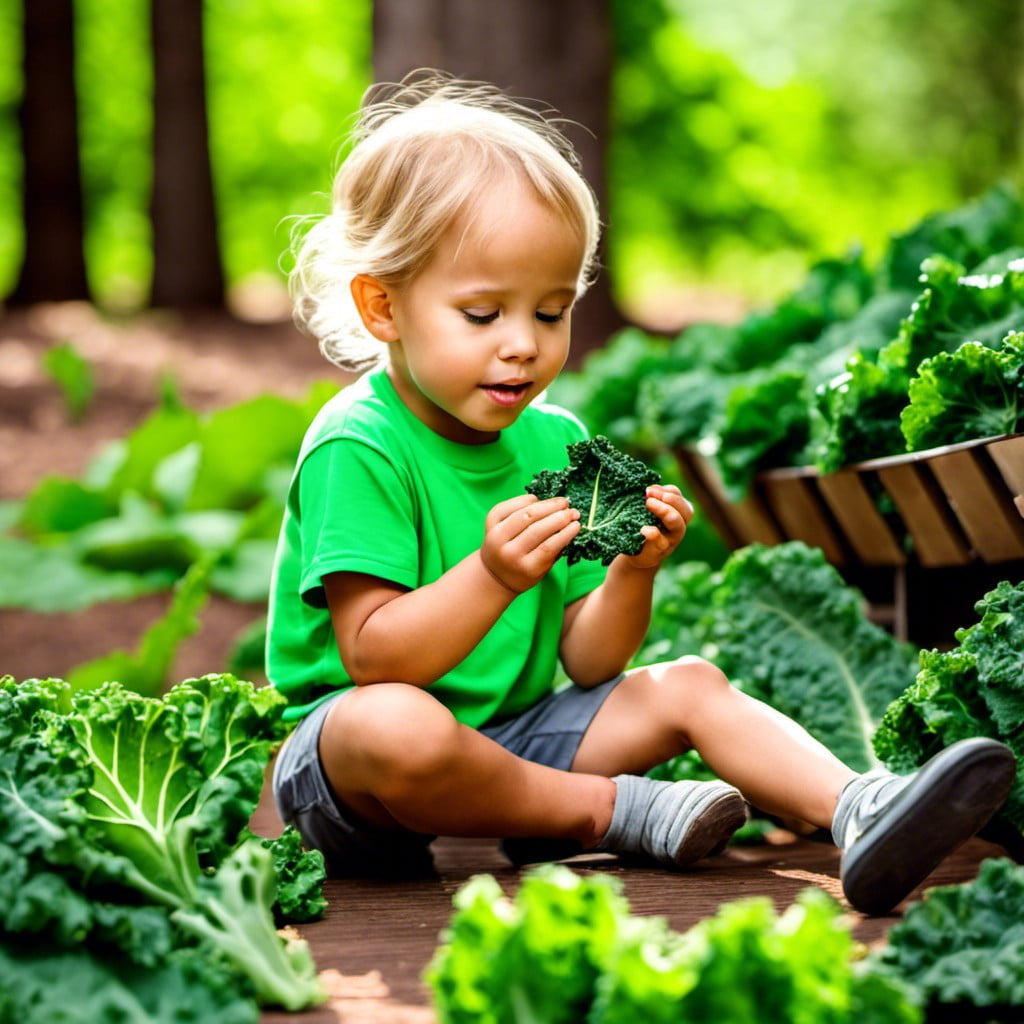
(179, 489)
(788, 630)
(73, 375)
(609, 488)
(975, 689)
(123, 839)
(146, 669)
(962, 946)
(972, 392)
(567, 949)
(300, 875)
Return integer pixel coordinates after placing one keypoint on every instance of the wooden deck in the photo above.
(377, 937)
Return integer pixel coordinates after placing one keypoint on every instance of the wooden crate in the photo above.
(951, 506)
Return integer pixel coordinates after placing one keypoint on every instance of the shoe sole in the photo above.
(717, 816)
(952, 798)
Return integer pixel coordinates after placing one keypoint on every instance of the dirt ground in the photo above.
(215, 361)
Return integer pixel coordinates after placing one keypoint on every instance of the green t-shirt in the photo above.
(376, 491)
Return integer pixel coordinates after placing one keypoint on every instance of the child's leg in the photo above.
(660, 711)
(397, 757)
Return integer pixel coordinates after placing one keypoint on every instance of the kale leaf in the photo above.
(609, 489)
(785, 627)
(962, 946)
(972, 392)
(976, 689)
(120, 818)
(568, 949)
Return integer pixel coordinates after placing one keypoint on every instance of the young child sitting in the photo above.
(419, 604)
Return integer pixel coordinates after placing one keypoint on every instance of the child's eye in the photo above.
(550, 318)
(476, 317)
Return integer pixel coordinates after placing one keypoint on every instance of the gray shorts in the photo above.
(548, 733)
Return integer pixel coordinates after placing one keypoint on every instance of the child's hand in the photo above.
(674, 513)
(524, 537)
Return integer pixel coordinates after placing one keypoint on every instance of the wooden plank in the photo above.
(801, 513)
(1008, 455)
(938, 540)
(864, 527)
(739, 523)
(981, 503)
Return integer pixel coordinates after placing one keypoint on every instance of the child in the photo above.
(419, 604)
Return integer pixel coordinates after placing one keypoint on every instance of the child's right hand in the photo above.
(523, 538)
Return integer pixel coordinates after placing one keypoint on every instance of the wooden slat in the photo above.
(739, 523)
(801, 513)
(864, 528)
(981, 503)
(1008, 455)
(938, 540)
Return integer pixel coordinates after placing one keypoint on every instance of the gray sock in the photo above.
(675, 823)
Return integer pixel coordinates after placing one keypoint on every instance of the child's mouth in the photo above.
(506, 394)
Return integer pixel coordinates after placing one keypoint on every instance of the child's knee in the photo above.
(692, 673)
(398, 731)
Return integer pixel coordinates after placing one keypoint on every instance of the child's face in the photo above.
(484, 327)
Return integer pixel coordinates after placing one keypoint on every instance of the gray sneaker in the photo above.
(895, 829)
(673, 823)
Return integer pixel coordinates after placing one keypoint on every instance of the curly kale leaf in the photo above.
(119, 818)
(609, 488)
(962, 946)
(976, 689)
(974, 391)
(788, 630)
(300, 879)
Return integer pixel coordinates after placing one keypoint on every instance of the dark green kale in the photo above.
(976, 689)
(962, 947)
(609, 488)
(974, 391)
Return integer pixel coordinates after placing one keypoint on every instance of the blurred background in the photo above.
(156, 152)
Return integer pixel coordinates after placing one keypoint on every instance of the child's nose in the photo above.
(519, 341)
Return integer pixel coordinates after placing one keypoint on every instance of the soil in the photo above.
(215, 360)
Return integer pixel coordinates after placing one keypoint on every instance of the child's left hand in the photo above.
(674, 512)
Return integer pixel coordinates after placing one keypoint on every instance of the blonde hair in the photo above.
(421, 149)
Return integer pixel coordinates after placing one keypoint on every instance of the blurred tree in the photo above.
(557, 53)
(53, 265)
(187, 269)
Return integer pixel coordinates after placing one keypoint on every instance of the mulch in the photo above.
(378, 936)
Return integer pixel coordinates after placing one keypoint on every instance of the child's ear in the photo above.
(373, 300)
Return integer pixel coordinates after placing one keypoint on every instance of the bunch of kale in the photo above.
(127, 874)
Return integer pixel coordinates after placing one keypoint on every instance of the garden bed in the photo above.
(377, 937)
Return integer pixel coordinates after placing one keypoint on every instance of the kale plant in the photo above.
(123, 845)
(609, 488)
(972, 392)
(975, 689)
(962, 946)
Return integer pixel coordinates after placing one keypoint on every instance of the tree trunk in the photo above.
(53, 265)
(187, 271)
(559, 53)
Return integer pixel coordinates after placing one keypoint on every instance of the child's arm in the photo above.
(389, 634)
(603, 630)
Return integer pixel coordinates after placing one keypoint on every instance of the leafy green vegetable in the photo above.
(536, 959)
(567, 949)
(74, 376)
(748, 964)
(120, 818)
(972, 392)
(609, 489)
(145, 669)
(962, 946)
(863, 407)
(976, 689)
(787, 629)
(300, 878)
